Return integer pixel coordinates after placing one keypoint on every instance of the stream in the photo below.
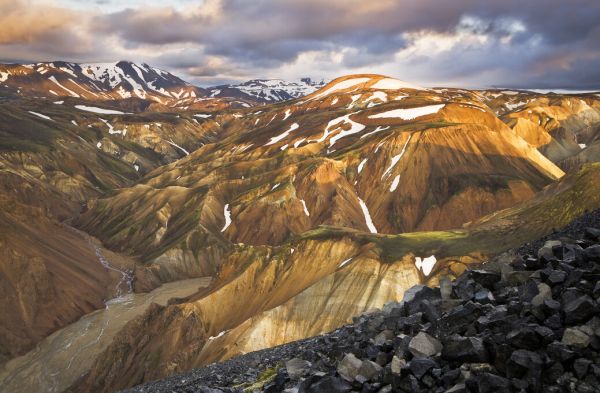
(61, 358)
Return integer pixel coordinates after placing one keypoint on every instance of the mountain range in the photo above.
(301, 204)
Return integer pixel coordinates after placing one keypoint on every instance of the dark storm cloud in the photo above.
(534, 43)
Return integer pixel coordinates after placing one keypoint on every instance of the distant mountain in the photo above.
(267, 90)
(96, 81)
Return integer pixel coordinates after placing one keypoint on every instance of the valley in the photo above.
(270, 217)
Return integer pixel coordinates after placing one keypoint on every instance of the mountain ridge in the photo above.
(338, 201)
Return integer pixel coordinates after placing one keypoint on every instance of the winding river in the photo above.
(61, 358)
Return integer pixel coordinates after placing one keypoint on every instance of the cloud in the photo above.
(535, 43)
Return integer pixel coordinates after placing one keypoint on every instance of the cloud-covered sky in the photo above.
(471, 43)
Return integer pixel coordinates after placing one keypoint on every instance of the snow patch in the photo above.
(409, 113)
(305, 208)
(71, 92)
(170, 142)
(361, 165)
(336, 124)
(203, 115)
(395, 183)
(396, 158)
(348, 83)
(218, 335)
(511, 107)
(475, 107)
(344, 263)
(394, 84)
(283, 135)
(368, 219)
(425, 264)
(40, 115)
(103, 111)
(58, 102)
(582, 145)
(299, 142)
(380, 128)
(288, 113)
(354, 99)
(227, 215)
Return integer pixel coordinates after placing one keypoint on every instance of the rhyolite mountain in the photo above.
(304, 212)
(121, 81)
(515, 323)
(267, 90)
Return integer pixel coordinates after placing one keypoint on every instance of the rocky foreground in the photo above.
(528, 321)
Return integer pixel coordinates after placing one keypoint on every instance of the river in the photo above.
(61, 358)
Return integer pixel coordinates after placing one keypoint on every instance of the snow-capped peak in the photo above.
(268, 90)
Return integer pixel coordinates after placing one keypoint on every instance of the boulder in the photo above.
(368, 371)
(424, 345)
(464, 349)
(575, 338)
(296, 368)
(592, 233)
(489, 383)
(544, 293)
(330, 384)
(523, 361)
(382, 337)
(579, 310)
(592, 253)
(581, 366)
(485, 278)
(348, 367)
(524, 337)
(397, 364)
(556, 277)
(419, 367)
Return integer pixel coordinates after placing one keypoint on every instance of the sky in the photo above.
(536, 44)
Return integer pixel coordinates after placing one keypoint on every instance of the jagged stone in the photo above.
(464, 349)
(419, 366)
(369, 370)
(424, 345)
(349, 366)
(593, 253)
(524, 337)
(559, 351)
(518, 277)
(458, 388)
(528, 291)
(522, 361)
(490, 383)
(581, 366)
(575, 338)
(556, 277)
(483, 296)
(486, 279)
(329, 384)
(592, 233)
(579, 309)
(544, 293)
(397, 364)
(296, 367)
(382, 337)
